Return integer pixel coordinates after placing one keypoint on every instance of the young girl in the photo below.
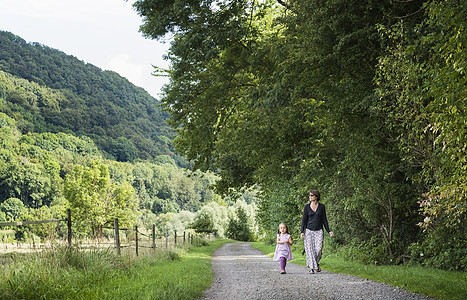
(283, 252)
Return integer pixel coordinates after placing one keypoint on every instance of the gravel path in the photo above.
(243, 272)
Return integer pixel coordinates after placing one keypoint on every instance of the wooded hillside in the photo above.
(74, 136)
(60, 93)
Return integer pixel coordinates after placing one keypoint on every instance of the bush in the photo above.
(440, 254)
(372, 252)
(238, 228)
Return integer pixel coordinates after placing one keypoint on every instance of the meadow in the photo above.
(177, 273)
(62, 273)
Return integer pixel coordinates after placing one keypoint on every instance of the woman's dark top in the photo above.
(314, 220)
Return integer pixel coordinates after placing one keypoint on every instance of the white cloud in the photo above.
(121, 64)
(76, 10)
(101, 32)
(137, 73)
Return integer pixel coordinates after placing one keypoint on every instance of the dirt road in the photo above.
(242, 272)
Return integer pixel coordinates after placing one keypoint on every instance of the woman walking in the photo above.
(313, 220)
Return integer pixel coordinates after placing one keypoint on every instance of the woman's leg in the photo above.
(309, 248)
(313, 247)
(318, 245)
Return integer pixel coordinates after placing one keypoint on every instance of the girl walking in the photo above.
(313, 220)
(283, 252)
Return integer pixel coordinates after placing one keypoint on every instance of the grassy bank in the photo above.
(64, 274)
(426, 281)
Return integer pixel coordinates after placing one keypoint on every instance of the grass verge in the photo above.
(73, 274)
(427, 281)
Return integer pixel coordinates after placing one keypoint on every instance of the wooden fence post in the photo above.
(154, 237)
(166, 239)
(69, 226)
(136, 239)
(175, 237)
(184, 237)
(117, 236)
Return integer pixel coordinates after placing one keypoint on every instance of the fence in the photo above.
(116, 230)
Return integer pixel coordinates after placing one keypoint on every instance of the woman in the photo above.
(313, 220)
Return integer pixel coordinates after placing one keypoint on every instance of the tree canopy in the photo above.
(342, 96)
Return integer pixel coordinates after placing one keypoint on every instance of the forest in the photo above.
(75, 137)
(68, 95)
(362, 100)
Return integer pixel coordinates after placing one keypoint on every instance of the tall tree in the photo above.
(282, 94)
(423, 91)
(95, 199)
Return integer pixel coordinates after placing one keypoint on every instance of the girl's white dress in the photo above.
(283, 250)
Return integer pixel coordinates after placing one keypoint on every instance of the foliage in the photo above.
(171, 222)
(422, 87)
(160, 188)
(13, 209)
(311, 94)
(238, 227)
(204, 222)
(48, 231)
(72, 135)
(49, 91)
(95, 200)
(211, 218)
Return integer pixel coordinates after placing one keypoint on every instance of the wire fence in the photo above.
(134, 239)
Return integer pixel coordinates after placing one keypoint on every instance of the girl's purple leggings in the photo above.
(283, 262)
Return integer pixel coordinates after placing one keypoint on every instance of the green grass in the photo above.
(427, 281)
(64, 274)
(177, 274)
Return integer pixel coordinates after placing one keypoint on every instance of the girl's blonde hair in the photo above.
(286, 228)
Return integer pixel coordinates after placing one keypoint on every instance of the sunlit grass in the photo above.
(63, 274)
(427, 281)
(177, 274)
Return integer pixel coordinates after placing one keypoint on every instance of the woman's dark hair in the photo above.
(286, 228)
(316, 193)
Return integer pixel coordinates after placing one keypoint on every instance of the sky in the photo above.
(104, 33)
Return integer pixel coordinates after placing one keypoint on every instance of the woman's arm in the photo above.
(304, 219)
(304, 222)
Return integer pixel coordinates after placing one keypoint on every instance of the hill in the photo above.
(46, 90)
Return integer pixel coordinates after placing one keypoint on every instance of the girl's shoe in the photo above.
(282, 271)
(312, 271)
